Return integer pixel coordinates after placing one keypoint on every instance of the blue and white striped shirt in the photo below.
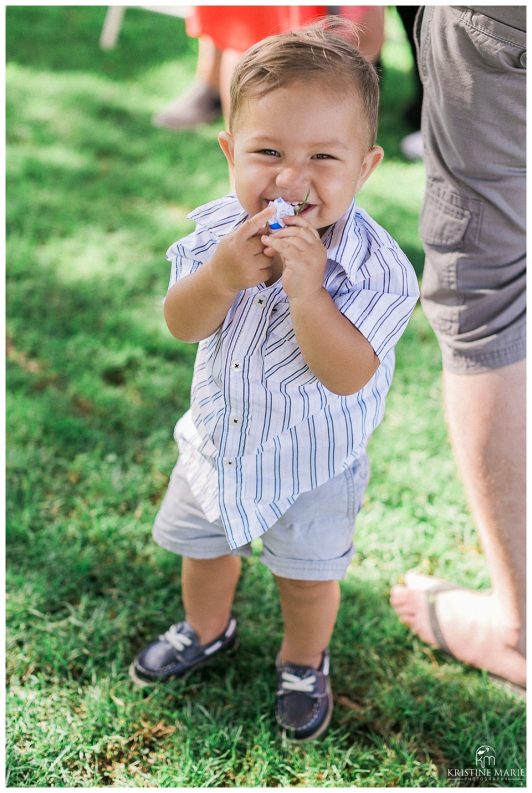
(262, 429)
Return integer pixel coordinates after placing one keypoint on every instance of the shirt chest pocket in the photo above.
(283, 361)
(280, 329)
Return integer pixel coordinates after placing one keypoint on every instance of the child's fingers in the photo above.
(256, 223)
(297, 221)
(284, 244)
(300, 235)
(302, 232)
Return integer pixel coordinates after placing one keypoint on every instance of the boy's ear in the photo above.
(227, 145)
(370, 162)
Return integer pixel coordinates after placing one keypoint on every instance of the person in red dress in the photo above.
(225, 32)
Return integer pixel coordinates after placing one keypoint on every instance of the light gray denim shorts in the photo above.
(313, 541)
(473, 68)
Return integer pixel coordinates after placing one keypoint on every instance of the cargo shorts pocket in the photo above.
(448, 219)
(422, 39)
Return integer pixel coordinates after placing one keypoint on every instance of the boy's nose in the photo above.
(292, 179)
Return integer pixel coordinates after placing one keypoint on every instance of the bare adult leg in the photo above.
(486, 630)
(370, 22)
(208, 590)
(208, 63)
(228, 62)
(201, 103)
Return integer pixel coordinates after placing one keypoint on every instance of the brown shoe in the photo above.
(199, 105)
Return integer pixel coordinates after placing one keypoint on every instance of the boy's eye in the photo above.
(269, 152)
(323, 157)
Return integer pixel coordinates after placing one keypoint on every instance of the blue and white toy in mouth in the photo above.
(282, 210)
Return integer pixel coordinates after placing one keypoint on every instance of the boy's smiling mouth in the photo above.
(299, 206)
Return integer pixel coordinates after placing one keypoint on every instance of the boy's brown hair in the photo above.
(323, 50)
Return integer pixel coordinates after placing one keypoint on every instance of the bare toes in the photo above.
(418, 582)
(406, 618)
(400, 595)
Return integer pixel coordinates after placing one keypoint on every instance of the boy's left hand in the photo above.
(302, 254)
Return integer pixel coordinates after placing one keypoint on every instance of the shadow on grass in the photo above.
(394, 700)
(111, 164)
(90, 390)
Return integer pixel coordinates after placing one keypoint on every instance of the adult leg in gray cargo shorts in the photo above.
(473, 217)
(473, 67)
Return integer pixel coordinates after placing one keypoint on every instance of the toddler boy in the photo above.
(297, 329)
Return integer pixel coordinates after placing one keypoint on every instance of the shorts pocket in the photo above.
(422, 38)
(447, 218)
(499, 41)
(358, 478)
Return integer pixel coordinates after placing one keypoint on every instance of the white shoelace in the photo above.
(294, 683)
(178, 640)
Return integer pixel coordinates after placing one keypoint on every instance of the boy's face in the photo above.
(301, 140)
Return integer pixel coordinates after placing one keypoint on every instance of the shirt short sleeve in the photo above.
(380, 301)
(188, 254)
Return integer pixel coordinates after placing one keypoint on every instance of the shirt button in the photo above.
(235, 365)
(228, 461)
(235, 420)
(260, 301)
(522, 59)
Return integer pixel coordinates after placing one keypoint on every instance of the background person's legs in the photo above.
(200, 104)
(370, 22)
(491, 459)
(486, 630)
(473, 230)
(228, 63)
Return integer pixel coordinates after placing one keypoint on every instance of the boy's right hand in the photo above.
(239, 261)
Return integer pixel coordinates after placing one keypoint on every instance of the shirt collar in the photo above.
(345, 243)
(223, 215)
(334, 238)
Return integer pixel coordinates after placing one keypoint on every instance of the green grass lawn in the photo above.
(96, 383)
